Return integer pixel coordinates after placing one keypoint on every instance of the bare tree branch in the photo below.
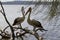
(7, 21)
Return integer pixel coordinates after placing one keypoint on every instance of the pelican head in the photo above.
(22, 9)
(29, 10)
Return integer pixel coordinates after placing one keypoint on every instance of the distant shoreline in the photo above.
(25, 3)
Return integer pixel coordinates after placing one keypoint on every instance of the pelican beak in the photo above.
(27, 12)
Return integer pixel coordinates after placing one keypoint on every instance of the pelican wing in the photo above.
(18, 20)
(36, 23)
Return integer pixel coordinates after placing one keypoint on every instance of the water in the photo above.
(14, 11)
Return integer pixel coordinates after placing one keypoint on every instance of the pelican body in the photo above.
(34, 23)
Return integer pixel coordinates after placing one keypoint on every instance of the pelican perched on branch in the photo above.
(34, 23)
(19, 20)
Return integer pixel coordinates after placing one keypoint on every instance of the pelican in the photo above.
(34, 23)
(19, 20)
